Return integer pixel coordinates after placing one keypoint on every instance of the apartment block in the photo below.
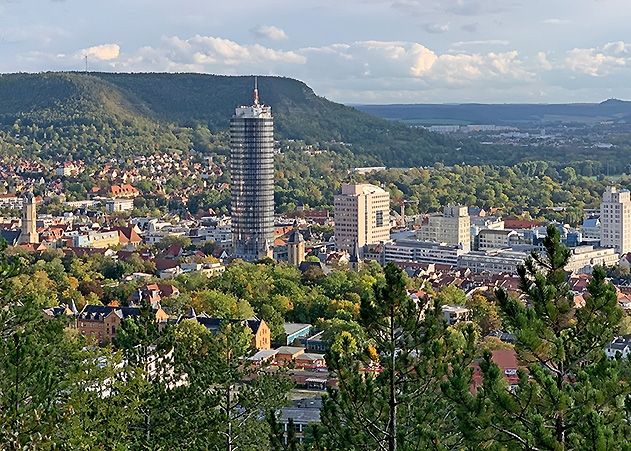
(453, 227)
(362, 216)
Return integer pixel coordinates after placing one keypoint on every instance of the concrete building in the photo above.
(453, 227)
(615, 220)
(493, 261)
(362, 216)
(252, 170)
(421, 252)
(495, 239)
(591, 229)
(584, 258)
(29, 233)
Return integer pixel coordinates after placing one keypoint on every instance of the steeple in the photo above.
(354, 261)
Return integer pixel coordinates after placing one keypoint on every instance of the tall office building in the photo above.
(29, 233)
(362, 216)
(453, 228)
(252, 170)
(615, 220)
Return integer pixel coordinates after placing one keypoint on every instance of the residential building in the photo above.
(11, 201)
(495, 239)
(302, 412)
(252, 170)
(261, 335)
(453, 227)
(96, 239)
(119, 205)
(493, 261)
(296, 331)
(615, 220)
(621, 345)
(591, 229)
(584, 258)
(101, 322)
(362, 216)
(454, 314)
(421, 252)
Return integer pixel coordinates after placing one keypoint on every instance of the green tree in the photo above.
(389, 395)
(572, 396)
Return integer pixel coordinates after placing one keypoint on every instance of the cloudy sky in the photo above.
(353, 51)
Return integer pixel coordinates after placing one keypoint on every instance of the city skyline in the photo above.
(361, 51)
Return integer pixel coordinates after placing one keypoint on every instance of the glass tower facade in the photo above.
(252, 171)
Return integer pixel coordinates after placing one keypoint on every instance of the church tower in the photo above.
(29, 233)
(296, 247)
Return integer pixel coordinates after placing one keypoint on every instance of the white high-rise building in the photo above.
(615, 220)
(252, 171)
(362, 216)
(452, 228)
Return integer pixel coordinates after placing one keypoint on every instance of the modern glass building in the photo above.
(252, 171)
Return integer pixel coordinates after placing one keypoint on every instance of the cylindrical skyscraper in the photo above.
(252, 171)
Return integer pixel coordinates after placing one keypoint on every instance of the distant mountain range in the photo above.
(474, 113)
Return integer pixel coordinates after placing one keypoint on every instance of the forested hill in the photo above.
(78, 115)
(126, 107)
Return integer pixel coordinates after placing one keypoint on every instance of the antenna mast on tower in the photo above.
(86, 63)
(256, 91)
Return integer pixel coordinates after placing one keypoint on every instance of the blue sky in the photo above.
(353, 51)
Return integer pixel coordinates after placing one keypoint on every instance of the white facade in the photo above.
(362, 216)
(615, 220)
(494, 261)
(452, 228)
(421, 252)
(584, 258)
(10, 201)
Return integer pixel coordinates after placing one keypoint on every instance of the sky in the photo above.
(349, 51)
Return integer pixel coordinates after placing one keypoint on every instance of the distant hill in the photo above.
(60, 115)
(473, 113)
(153, 101)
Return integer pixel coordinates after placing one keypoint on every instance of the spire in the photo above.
(256, 91)
(355, 255)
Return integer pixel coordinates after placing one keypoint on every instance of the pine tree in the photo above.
(571, 396)
(389, 398)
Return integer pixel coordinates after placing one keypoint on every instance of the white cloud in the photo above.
(598, 62)
(270, 32)
(436, 28)
(424, 60)
(542, 60)
(104, 52)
